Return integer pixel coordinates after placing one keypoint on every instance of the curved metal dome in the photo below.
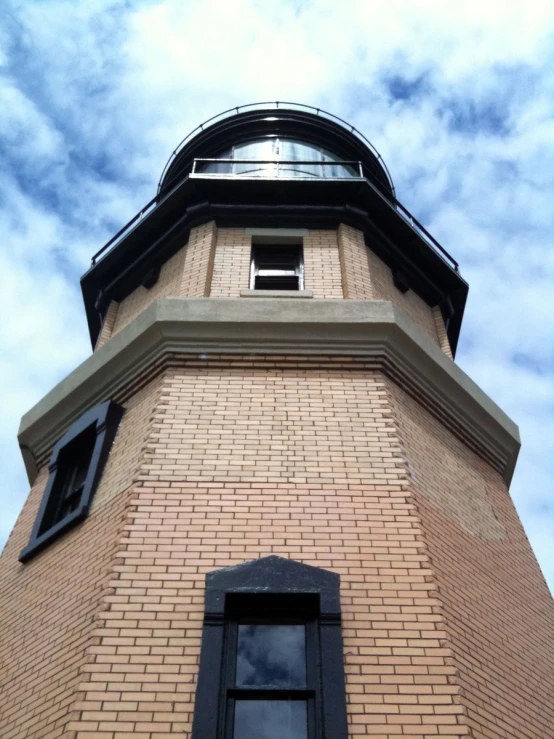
(304, 123)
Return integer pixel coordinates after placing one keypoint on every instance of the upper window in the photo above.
(271, 662)
(276, 267)
(75, 468)
(277, 157)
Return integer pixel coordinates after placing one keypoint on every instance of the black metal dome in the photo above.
(248, 123)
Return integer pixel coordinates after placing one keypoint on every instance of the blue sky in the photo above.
(458, 98)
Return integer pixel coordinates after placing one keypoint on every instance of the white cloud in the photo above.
(94, 96)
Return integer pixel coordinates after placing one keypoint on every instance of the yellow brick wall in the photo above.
(237, 468)
(199, 262)
(354, 262)
(107, 326)
(414, 307)
(499, 614)
(231, 271)
(186, 274)
(216, 263)
(49, 606)
(444, 342)
(322, 273)
(168, 285)
(323, 460)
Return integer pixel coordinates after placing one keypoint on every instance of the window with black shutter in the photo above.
(75, 468)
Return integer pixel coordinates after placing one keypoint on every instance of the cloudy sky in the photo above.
(457, 97)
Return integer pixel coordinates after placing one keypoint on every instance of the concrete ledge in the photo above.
(357, 328)
(276, 293)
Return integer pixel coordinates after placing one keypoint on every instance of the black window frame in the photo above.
(271, 590)
(92, 435)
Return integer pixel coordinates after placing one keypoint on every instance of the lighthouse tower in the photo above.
(270, 505)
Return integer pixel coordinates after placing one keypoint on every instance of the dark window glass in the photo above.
(268, 719)
(271, 655)
(276, 267)
(74, 463)
(271, 661)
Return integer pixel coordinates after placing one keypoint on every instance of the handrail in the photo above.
(236, 110)
(403, 212)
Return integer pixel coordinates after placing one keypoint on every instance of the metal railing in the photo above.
(269, 105)
(417, 227)
(294, 168)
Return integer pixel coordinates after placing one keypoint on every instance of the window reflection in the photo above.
(277, 158)
(271, 655)
(261, 719)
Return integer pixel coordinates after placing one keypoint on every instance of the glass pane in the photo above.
(337, 170)
(217, 167)
(260, 150)
(297, 151)
(271, 655)
(270, 720)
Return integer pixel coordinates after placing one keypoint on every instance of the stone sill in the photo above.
(276, 293)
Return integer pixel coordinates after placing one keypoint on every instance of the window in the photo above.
(271, 663)
(76, 466)
(277, 157)
(277, 267)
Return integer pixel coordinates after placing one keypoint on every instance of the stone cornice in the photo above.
(372, 330)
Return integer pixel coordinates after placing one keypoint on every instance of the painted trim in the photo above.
(373, 330)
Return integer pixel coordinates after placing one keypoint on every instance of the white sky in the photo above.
(458, 98)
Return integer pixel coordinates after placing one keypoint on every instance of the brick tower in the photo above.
(269, 505)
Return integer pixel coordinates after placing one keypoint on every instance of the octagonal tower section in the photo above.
(270, 498)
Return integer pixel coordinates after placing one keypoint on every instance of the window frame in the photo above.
(236, 594)
(104, 419)
(297, 272)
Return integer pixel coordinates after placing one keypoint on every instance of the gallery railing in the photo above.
(271, 169)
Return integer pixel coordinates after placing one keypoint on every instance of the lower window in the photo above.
(271, 664)
(271, 683)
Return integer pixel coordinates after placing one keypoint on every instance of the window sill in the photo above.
(276, 294)
(37, 545)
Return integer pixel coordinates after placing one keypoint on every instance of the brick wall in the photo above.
(354, 263)
(187, 273)
(444, 342)
(319, 459)
(414, 307)
(199, 262)
(108, 325)
(498, 611)
(231, 272)
(322, 270)
(365, 276)
(168, 285)
(216, 263)
(50, 605)
(236, 468)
